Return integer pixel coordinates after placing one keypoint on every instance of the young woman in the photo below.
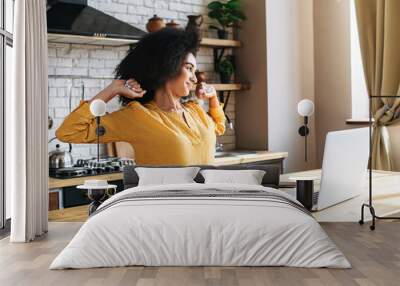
(151, 80)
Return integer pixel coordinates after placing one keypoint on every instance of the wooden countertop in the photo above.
(55, 183)
(243, 157)
(234, 157)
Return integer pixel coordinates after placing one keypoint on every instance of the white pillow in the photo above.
(164, 176)
(248, 177)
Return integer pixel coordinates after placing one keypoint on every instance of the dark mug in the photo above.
(194, 22)
(304, 192)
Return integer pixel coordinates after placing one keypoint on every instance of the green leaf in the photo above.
(224, 21)
(226, 13)
(214, 14)
(214, 5)
(232, 19)
(234, 5)
(225, 66)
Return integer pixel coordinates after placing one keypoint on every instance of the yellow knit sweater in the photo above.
(158, 137)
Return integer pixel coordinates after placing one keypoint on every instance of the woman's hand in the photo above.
(128, 88)
(205, 91)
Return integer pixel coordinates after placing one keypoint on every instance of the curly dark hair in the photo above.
(157, 58)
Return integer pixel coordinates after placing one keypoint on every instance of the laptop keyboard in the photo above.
(315, 197)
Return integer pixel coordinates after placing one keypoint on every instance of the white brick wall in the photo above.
(72, 65)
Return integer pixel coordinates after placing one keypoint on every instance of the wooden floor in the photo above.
(375, 257)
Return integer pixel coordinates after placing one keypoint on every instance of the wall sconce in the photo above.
(305, 108)
(98, 109)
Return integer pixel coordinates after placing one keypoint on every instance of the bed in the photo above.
(197, 224)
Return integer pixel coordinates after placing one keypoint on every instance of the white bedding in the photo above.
(192, 231)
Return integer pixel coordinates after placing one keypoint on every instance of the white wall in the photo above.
(290, 64)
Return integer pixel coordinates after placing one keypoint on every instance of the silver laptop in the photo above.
(344, 167)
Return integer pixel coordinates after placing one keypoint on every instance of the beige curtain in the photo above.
(379, 31)
(26, 129)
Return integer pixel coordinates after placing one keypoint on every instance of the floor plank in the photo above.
(375, 257)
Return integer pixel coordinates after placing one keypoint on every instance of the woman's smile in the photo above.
(189, 85)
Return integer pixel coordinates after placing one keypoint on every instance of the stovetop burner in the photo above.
(92, 167)
(70, 172)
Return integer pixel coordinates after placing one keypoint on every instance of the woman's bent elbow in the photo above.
(65, 137)
(60, 135)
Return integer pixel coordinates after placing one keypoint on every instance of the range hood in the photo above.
(74, 22)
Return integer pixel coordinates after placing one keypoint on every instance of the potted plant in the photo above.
(227, 14)
(225, 69)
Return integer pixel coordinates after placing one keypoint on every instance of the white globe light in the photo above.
(98, 107)
(305, 107)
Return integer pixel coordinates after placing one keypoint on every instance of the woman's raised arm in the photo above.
(80, 125)
(215, 109)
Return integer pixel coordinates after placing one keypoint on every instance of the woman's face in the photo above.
(182, 84)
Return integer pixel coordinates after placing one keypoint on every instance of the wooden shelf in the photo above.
(245, 157)
(77, 39)
(88, 40)
(210, 42)
(61, 183)
(229, 86)
(362, 121)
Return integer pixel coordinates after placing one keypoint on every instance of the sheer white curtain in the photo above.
(26, 119)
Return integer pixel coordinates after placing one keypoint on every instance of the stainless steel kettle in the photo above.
(60, 159)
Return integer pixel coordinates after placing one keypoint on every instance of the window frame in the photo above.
(6, 39)
(359, 92)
